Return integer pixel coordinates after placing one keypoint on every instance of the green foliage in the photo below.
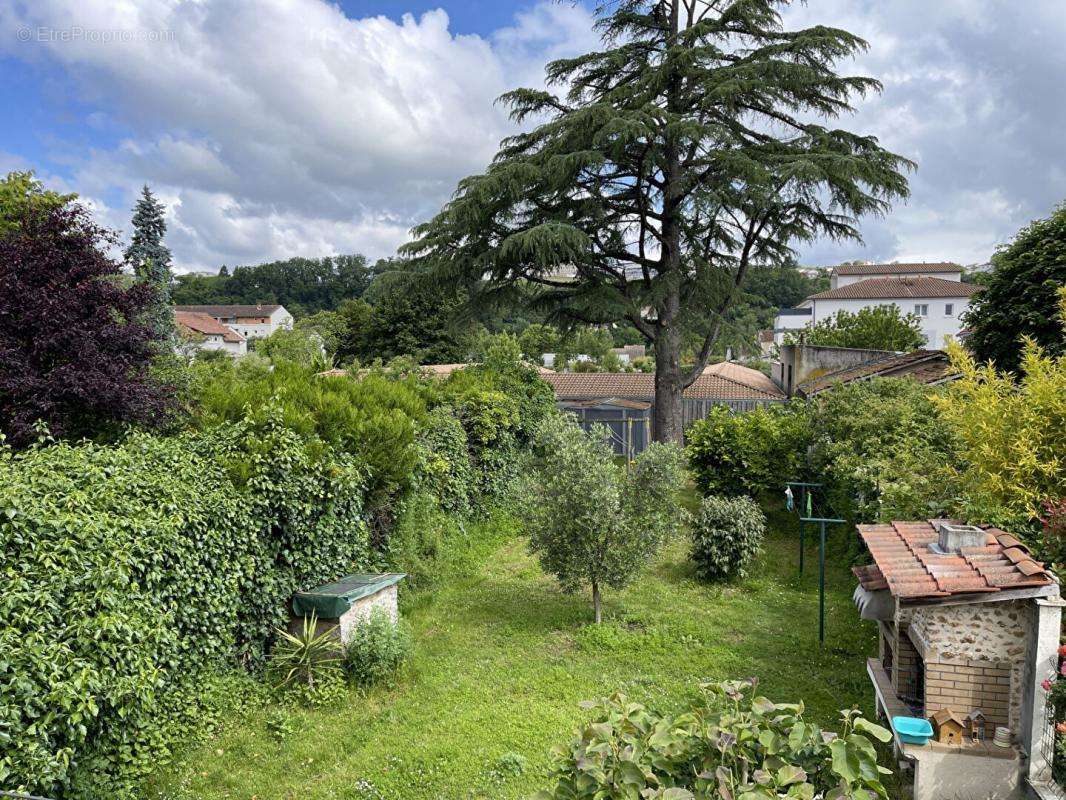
(150, 260)
(377, 649)
(884, 452)
(1011, 433)
(727, 744)
(538, 339)
(310, 656)
(1020, 296)
(874, 328)
(444, 465)
(302, 345)
(21, 194)
(727, 533)
(330, 327)
(303, 285)
(371, 416)
(134, 571)
(592, 525)
(749, 453)
(674, 159)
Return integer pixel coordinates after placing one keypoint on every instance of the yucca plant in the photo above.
(306, 658)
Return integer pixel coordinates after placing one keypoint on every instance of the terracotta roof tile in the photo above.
(207, 325)
(909, 568)
(924, 366)
(898, 269)
(256, 310)
(641, 386)
(903, 287)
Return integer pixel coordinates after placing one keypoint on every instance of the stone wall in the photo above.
(974, 657)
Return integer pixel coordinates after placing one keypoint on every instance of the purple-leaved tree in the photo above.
(73, 353)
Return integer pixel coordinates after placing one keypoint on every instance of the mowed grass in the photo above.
(503, 658)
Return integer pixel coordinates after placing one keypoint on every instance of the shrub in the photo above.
(132, 572)
(377, 649)
(443, 467)
(1011, 434)
(749, 453)
(883, 452)
(592, 524)
(727, 744)
(726, 535)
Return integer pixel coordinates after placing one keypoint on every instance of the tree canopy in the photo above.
(874, 327)
(303, 285)
(74, 352)
(670, 162)
(1019, 298)
(21, 194)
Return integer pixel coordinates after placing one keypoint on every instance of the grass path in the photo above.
(503, 658)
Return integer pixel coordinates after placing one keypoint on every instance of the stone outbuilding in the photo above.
(343, 605)
(969, 625)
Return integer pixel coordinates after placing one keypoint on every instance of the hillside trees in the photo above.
(678, 157)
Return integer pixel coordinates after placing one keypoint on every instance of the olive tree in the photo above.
(595, 523)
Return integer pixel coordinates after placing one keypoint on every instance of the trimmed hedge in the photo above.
(134, 572)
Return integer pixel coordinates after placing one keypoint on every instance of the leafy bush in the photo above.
(1011, 433)
(874, 327)
(749, 453)
(594, 525)
(727, 744)
(132, 573)
(377, 649)
(444, 467)
(726, 535)
(884, 452)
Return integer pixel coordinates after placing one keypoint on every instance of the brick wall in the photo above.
(964, 685)
(979, 649)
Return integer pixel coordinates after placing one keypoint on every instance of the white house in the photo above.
(847, 274)
(203, 332)
(790, 319)
(940, 303)
(250, 321)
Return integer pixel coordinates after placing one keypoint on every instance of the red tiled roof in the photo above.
(743, 375)
(905, 564)
(924, 366)
(904, 287)
(258, 310)
(206, 324)
(897, 269)
(641, 386)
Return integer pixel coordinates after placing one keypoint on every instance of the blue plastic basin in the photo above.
(912, 730)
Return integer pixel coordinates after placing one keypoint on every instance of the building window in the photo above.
(949, 309)
(921, 309)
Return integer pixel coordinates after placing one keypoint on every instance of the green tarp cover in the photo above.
(333, 599)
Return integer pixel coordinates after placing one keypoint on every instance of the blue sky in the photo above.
(274, 128)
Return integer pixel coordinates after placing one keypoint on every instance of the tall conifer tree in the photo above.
(150, 260)
(690, 148)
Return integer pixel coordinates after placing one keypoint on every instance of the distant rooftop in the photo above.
(256, 310)
(896, 269)
(903, 287)
(728, 382)
(205, 324)
(925, 366)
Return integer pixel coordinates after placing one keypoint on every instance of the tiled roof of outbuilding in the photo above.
(903, 287)
(724, 384)
(924, 366)
(905, 564)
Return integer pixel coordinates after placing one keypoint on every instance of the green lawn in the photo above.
(503, 658)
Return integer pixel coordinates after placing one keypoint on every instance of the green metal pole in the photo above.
(821, 586)
(801, 545)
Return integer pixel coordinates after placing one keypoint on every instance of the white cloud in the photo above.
(283, 127)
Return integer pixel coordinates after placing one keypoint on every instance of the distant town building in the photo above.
(250, 321)
(846, 274)
(199, 331)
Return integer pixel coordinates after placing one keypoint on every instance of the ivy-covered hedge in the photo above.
(133, 573)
